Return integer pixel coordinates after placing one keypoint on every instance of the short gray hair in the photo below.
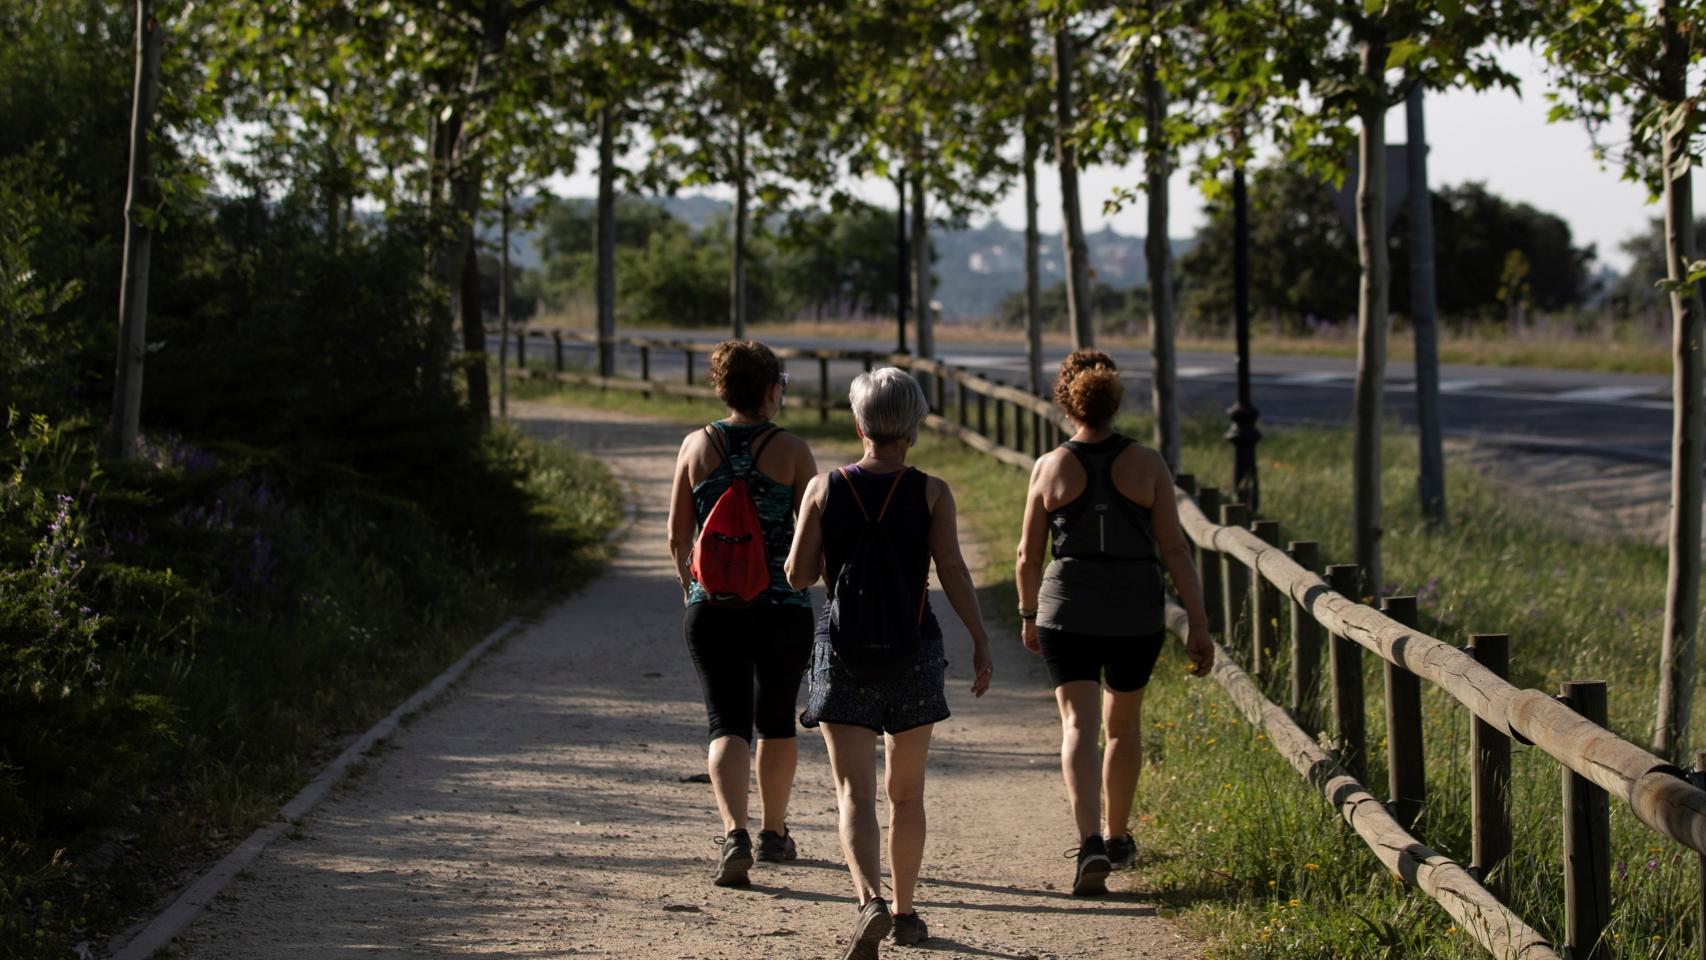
(888, 405)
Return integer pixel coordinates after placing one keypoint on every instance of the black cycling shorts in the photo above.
(1125, 663)
(750, 661)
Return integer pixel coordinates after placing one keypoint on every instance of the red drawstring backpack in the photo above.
(728, 558)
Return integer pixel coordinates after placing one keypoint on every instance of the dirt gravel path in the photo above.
(540, 810)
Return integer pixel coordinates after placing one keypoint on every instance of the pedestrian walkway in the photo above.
(544, 808)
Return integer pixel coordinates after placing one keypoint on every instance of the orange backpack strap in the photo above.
(898, 477)
(854, 490)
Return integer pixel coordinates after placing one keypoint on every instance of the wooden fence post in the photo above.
(520, 350)
(1036, 434)
(1345, 666)
(557, 343)
(868, 361)
(1587, 841)
(1000, 422)
(646, 368)
(1235, 584)
(983, 414)
(1018, 428)
(1699, 780)
(962, 401)
(1305, 645)
(823, 389)
(1490, 773)
(687, 360)
(1406, 777)
(939, 386)
(1264, 609)
(1208, 565)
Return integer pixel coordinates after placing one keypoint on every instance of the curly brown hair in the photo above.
(743, 371)
(1089, 389)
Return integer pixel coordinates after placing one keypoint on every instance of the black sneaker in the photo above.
(869, 930)
(735, 861)
(909, 929)
(1122, 851)
(1093, 867)
(776, 847)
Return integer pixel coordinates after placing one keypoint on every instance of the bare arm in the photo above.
(956, 580)
(805, 557)
(1033, 547)
(1176, 557)
(683, 523)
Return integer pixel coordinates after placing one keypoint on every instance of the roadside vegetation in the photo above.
(1236, 845)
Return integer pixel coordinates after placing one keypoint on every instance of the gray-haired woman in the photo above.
(905, 704)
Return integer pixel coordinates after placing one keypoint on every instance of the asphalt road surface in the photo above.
(1625, 416)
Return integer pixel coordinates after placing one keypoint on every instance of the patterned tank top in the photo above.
(774, 502)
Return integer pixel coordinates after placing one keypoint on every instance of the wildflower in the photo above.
(1273, 883)
(1450, 930)
(1622, 870)
(1295, 903)
(1312, 867)
(1211, 741)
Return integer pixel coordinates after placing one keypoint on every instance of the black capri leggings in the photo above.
(750, 661)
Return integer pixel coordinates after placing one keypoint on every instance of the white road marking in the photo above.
(984, 361)
(1601, 394)
(1194, 373)
(1467, 386)
(1312, 377)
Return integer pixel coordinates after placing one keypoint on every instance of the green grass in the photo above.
(1237, 845)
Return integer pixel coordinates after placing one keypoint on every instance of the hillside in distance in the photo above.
(976, 266)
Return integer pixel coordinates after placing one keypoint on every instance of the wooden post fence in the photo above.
(1587, 841)
(1305, 645)
(646, 368)
(557, 346)
(1235, 585)
(1406, 772)
(1345, 665)
(1490, 774)
(1264, 610)
(823, 389)
(1208, 571)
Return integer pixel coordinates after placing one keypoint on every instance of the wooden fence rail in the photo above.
(1247, 576)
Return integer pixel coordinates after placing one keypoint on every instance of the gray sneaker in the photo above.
(735, 861)
(910, 930)
(1122, 851)
(1091, 877)
(869, 930)
(776, 847)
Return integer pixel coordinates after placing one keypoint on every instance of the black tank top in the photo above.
(907, 521)
(1101, 523)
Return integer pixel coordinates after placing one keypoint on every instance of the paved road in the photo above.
(1625, 416)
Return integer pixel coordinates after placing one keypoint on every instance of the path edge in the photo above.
(160, 932)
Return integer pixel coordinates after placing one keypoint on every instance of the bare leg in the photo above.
(1080, 722)
(853, 764)
(776, 761)
(730, 766)
(904, 779)
(1122, 762)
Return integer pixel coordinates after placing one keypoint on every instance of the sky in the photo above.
(1498, 137)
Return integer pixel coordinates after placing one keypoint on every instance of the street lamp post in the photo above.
(1243, 433)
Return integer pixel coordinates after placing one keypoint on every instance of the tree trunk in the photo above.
(1076, 252)
(1158, 250)
(503, 305)
(605, 242)
(737, 266)
(903, 288)
(467, 188)
(124, 427)
(1033, 293)
(925, 321)
(1682, 592)
(1430, 485)
(1371, 309)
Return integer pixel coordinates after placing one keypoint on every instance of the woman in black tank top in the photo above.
(902, 698)
(1105, 506)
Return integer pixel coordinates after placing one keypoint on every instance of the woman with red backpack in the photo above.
(737, 487)
(871, 531)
